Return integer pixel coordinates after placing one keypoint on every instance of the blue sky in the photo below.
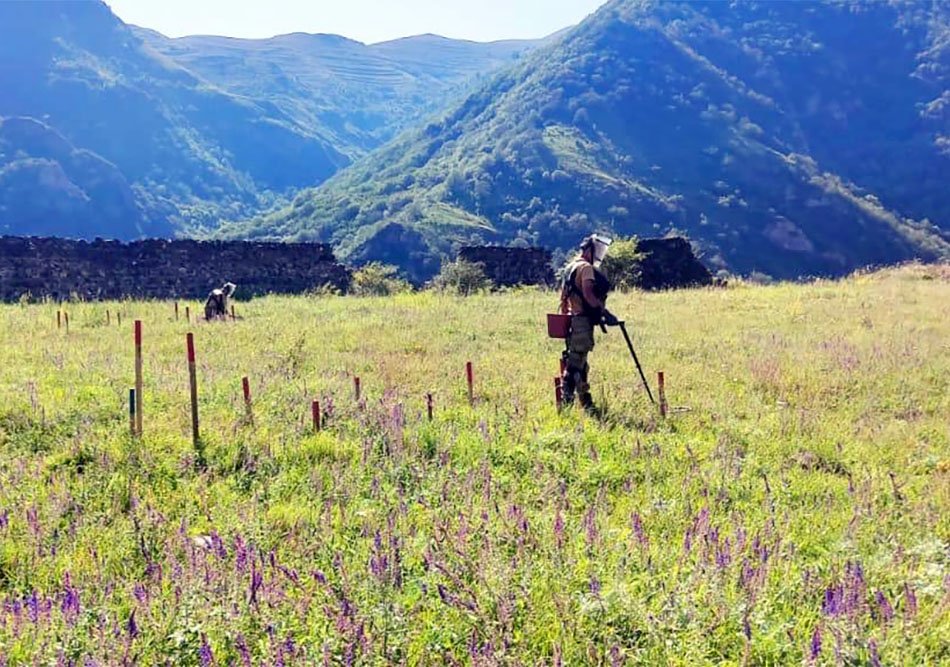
(365, 20)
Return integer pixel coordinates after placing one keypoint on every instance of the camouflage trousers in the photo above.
(575, 381)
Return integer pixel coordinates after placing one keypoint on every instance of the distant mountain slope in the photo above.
(786, 137)
(254, 123)
(52, 188)
(358, 95)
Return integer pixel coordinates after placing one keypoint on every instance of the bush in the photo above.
(622, 264)
(462, 277)
(377, 279)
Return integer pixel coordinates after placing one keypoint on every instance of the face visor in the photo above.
(601, 245)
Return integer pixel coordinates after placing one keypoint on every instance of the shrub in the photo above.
(622, 264)
(377, 279)
(462, 277)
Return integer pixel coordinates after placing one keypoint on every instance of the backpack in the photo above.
(602, 287)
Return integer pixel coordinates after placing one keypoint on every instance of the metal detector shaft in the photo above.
(626, 336)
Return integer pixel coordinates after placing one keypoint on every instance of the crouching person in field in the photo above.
(216, 307)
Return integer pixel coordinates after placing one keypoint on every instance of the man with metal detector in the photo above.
(584, 298)
(216, 307)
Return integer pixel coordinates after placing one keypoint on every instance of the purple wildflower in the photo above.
(590, 525)
(884, 607)
(33, 607)
(595, 586)
(815, 644)
(637, 524)
(241, 645)
(132, 627)
(378, 562)
(615, 658)
(205, 654)
(70, 605)
(910, 601)
(875, 658)
(140, 593)
(834, 601)
(559, 529)
(257, 580)
(319, 577)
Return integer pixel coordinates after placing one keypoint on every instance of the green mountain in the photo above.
(791, 138)
(247, 128)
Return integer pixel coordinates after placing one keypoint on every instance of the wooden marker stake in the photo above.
(193, 383)
(132, 412)
(108, 318)
(188, 314)
(118, 318)
(469, 377)
(233, 314)
(315, 412)
(429, 405)
(59, 319)
(176, 311)
(66, 320)
(246, 385)
(138, 378)
(660, 380)
(558, 393)
(356, 388)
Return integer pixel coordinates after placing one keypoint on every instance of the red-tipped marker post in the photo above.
(138, 377)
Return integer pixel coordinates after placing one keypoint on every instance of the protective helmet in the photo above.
(599, 244)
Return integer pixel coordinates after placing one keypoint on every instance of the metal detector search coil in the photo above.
(559, 326)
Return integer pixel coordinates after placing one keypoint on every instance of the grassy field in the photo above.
(794, 508)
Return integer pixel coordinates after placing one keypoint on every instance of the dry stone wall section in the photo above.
(159, 269)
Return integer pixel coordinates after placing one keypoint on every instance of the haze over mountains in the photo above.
(790, 138)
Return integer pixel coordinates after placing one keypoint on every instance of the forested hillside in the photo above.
(195, 146)
(790, 138)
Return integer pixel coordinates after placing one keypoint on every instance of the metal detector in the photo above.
(626, 337)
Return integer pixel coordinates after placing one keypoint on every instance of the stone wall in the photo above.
(670, 264)
(160, 269)
(512, 266)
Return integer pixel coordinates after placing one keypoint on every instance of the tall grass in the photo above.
(795, 507)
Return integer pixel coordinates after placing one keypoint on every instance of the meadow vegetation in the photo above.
(794, 507)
